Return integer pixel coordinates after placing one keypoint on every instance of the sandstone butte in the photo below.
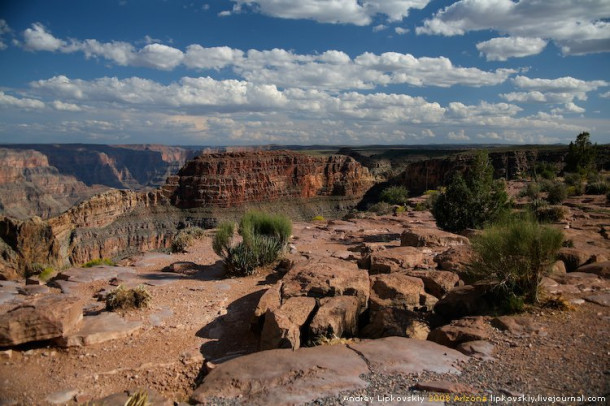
(207, 188)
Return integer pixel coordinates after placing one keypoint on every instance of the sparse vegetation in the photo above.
(473, 200)
(557, 193)
(140, 398)
(318, 218)
(99, 261)
(185, 237)
(126, 299)
(532, 190)
(551, 214)
(46, 274)
(546, 170)
(264, 237)
(380, 208)
(597, 188)
(394, 195)
(514, 256)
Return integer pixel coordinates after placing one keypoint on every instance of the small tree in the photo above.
(581, 155)
(473, 200)
(515, 255)
(394, 195)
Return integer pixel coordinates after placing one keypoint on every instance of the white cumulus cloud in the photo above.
(578, 27)
(6, 100)
(38, 39)
(500, 49)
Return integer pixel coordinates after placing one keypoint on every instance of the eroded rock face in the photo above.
(336, 317)
(46, 318)
(211, 187)
(233, 179)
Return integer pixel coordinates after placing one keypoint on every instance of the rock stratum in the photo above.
(208, 188)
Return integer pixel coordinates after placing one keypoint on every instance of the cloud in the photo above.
(4, 29)
(500, 49)
(331, 69)
(22, 103)
(577, 27)
(336, 11)
(38, 39)
(561, 90)
(458, 136)
(61, 106)
(401, 31)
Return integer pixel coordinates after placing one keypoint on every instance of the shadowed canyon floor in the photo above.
(198, 321)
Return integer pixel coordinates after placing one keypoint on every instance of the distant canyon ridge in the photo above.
(65, 205)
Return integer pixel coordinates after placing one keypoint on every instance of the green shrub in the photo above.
(381, 208)
(557, 193)
(400, 209)
(394, 195)
(514, 256)
(420, 206)
(256, 222)
(597, 188)
(46, 274)
(318, 218)
(264, 237)
(473, 200)
(185, 237)
(572, 179)
(532, 190)
(99, 261)
(575, 190)
(546, 170)
(126, 299)
(551, 214)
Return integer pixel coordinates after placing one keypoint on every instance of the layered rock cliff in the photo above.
(30, 186)
(208, 188)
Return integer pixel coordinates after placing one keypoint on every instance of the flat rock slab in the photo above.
(8, 297)
(151, 259)
(62, 397)
(398, 355)
(96, 273)
(601, 299)
(284, 377)
(98, 329)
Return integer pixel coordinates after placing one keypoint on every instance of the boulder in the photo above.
(481, 349)
(431, 237)
(396, 290)
(518, 326)
(455, 259)
(468, 300)
(395, 259)
(336, 317)
(327, 277)
(98, 329)
(284, 377)
(603, 299)
(45, 318)
(573, 258)
(270, 300)
(391, 322)
(397, 355)
(557, 269)
(282, 326)
(460, 331)
(598, 268)
(437, 283)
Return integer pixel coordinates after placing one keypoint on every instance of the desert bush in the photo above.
(264, 237)
(514, 256)
(551, 214)
(318, 218)
(546, 170)
(532, 190)
(572, 179)
(140, 398)
(381, 208)
(185, 237)
(557, 193)
(400, 209)
(597, 188)
(46, 274)
(473, 200)
(256, 222)
(126, 299)
(394, 195)
(99, 261)
(420, 206)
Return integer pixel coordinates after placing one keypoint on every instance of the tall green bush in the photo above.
(264, 237)
(473, 200)
(515, 255)
(394, 195)
(557, 193)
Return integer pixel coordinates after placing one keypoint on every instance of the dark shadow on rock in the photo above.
(271, 278)
(384, 237)
(195, 271)
(231, 332)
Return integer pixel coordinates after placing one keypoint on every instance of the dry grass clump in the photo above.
(126, 299)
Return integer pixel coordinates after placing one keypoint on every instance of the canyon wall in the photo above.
(206, 189)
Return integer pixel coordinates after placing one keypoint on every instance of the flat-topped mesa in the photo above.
(235, 178)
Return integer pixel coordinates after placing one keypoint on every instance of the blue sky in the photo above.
(245, 72)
